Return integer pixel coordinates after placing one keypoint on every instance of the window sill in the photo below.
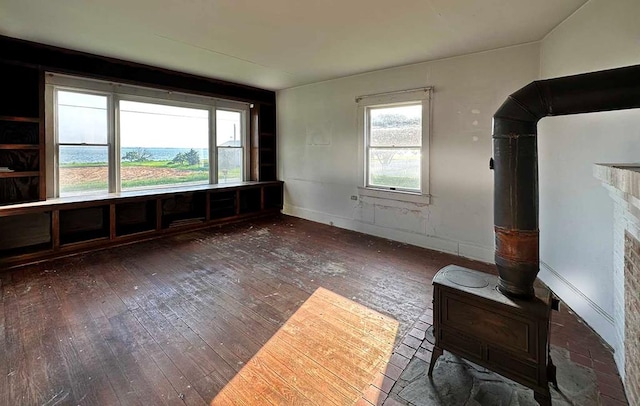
(108, 198)
(397, 195)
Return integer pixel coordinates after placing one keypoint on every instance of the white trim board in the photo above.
(594, 316)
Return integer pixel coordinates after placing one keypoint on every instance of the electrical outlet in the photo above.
(354, 197)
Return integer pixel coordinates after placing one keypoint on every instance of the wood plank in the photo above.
(95, 364)
(41, 316)
(149, 380)
(313, 381)
(343, 352)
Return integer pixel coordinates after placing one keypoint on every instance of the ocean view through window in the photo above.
(162, 145)
(110, 137)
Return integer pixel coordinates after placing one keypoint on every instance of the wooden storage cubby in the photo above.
(273, 197)
(84, 224)
(250, 200)
(223, 204)
(135, 217)
(20, 91)
(20, 152)
(34, 234)
(183, 209)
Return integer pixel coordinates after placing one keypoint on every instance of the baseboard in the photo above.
(595, 316)
(459, 248)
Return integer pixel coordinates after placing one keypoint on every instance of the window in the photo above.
(228, 141)
(106, 137)
(83, 142)
(162, 145)
(395, 128)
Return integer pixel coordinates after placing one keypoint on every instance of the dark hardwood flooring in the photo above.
(173, 320)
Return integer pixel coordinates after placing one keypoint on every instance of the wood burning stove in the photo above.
(472, 319)
(503, 323)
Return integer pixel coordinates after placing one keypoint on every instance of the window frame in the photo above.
(244, 139)
(110, 137)
(421, 96)
(117, 92)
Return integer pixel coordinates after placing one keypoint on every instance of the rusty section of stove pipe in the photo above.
(515, 160)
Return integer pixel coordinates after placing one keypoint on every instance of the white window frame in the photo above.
(244, 131)
(117, 92)
(365, 104)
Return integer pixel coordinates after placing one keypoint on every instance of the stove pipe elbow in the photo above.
(515, 160)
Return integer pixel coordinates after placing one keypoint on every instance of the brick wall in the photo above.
(632, 317)
(622, 222)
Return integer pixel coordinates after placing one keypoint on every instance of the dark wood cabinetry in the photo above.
(25, 234)
(136, 217)
(223, 204)
(84, 224)
(263, 142)
(45, 229)
(475, 321)
(21, 135)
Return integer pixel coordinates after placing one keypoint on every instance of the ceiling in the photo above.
(276, 44)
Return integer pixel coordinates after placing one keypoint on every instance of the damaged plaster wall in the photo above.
(319, 150)
(576, 213)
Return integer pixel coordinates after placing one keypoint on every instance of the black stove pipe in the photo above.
(515, 160)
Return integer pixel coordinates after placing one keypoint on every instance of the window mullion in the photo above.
(56, 152)
(367, 124)
(246, 149)
(115, 185)
(213, 149)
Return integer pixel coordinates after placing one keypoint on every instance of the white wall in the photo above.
(318, 147)
(576, 214)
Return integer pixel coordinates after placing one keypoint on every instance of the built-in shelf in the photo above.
(20, 119)
(135, 217)
(19, 174)
(223, 204)
(250, 200)
(19, 146)
(21, 133)
(61, 226)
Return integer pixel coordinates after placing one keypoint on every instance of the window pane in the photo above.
(162, 145)
(83, 169)
(82, 118)
(229, 165)
(228, 128)
(395, 167)
(396, 126)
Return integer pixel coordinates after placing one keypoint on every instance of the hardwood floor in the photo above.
(328, 352)
(174, 320)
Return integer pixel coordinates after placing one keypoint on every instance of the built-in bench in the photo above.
(56, 227)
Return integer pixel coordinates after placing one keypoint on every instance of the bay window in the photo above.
(107, 137)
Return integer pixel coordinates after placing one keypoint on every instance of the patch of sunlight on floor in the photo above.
(328, 352)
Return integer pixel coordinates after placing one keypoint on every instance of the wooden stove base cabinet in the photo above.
(473, 320)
